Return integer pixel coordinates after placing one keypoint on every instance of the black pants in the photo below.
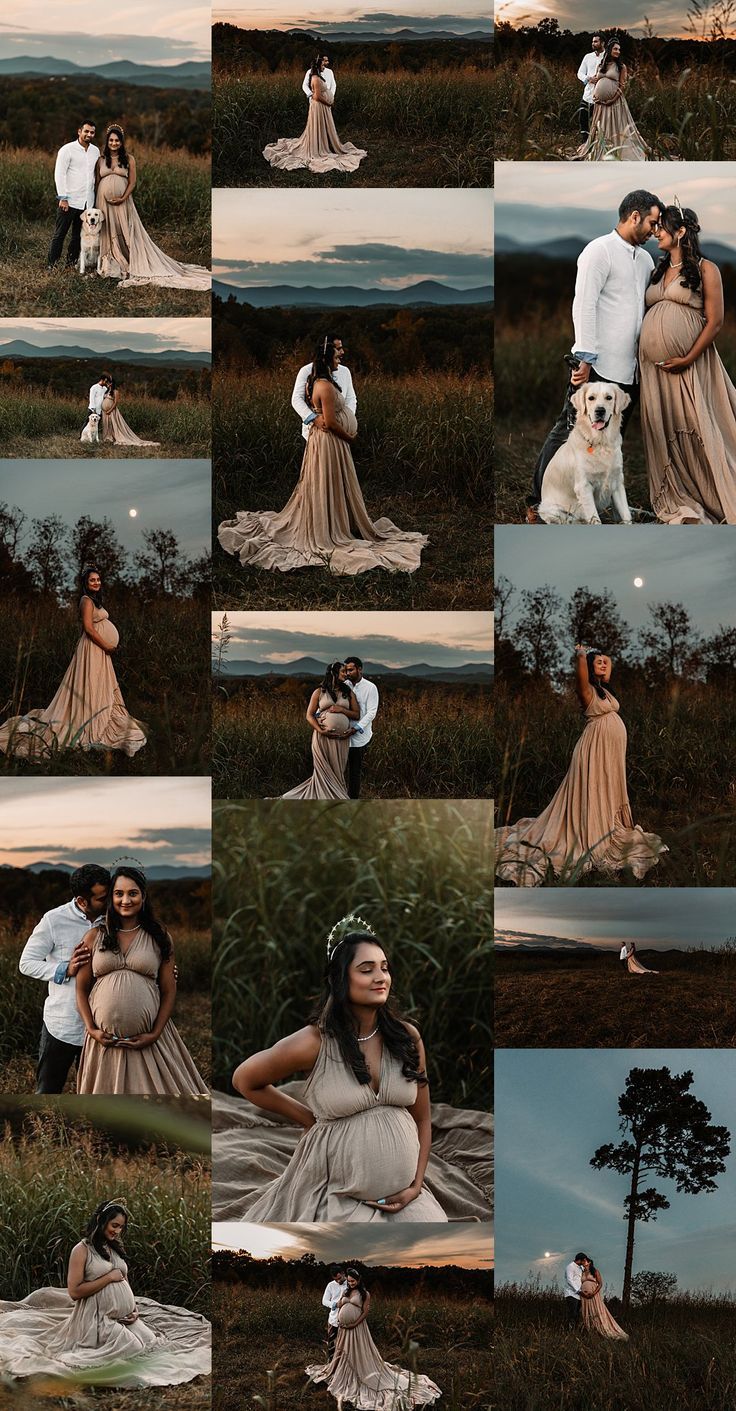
(564, 424)
(355, 769)
(572, 1311)
(331, 1340)
(55, 1058)
(66, 220)
(584, 112)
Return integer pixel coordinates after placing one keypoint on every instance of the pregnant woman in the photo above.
(634, 966)
(595, 1316)
(613, 132)
(115, 428)
(357, 1375)
(126, 995)
(127, 251)
(325, 523)
(688, 401)
(87, 711)
(588, 825)
(96, 1325)
(365, 1108)
(332, 707)
(319, 148)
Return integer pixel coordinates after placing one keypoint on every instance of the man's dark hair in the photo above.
(355, 661)
(85, 878)
(340, 1269)
(87, 123)
(595, 36)
(640, 201)
(579, 1256)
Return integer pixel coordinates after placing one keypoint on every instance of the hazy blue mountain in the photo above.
(187, 75)
(425, 291)
(310, 666)
(159, 872)
(568, 247)
(169, 357)
(401, 36)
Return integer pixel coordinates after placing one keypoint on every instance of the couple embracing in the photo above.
(651, 332)
(341, 712)
(584, 1300)
(318, 148)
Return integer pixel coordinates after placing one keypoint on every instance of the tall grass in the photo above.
(426, 129)
(534, 110)
(432, 741)
(419, 873)
(37, 423)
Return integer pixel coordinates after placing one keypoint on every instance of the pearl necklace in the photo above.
(368, 1036)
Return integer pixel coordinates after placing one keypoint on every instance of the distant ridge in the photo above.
(185, 75)
(310, 666)
(168, 357)
(158, 872)
(568, 247)
(398, 36)
(425, 291)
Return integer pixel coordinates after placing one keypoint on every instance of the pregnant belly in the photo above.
(108, 632)
(337, 724)
(668, 331)
(348, 421)
(125, 1003)
(113, 185)
(606, 90)
(373, 1154)
(117, 1300)
(348, 1315)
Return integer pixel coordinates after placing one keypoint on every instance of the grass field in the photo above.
(424, 887)
(680, 1354)
(37, 424)
(422, 458)
(162, 666)
(424, 129)
(51, 1178)
(173, 200)
(267, 1337)
(692, 117)
(22, 999)
(689, 1004)
(680, 772)
(433, 741)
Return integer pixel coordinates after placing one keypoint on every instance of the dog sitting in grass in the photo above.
(89, 252)
(585, 477)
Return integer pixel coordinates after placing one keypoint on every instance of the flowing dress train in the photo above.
(588, 825)
(87, 712)
(330, 756)
(319, 148)
(127, 251)
(613, 133)
(115, 428)
(596, 1317)
(125, 999)
(688, 418)
(325, 523)
(358, 1375)
(635, 967)
(49, 1332)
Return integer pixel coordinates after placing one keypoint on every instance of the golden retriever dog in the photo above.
(586, 475)
(91, 432)
(90, 240)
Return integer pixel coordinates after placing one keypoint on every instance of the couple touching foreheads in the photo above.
(341, 712)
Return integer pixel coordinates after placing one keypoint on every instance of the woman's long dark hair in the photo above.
(84, 578)
(112, 923)
(673, 219)
(592, 1269)
(593, 679)
(356, 1274)
(322, 366)
(608, 56)
(334, 1016)
(332, 684)
(95, 1231)
(122, 155)
(316, 69)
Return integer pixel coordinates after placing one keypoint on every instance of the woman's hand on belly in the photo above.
(103, 1036)
(398, 1201)
(140, 1041)
(674, 364)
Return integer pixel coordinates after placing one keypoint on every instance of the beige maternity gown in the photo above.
(635, 967)
(115, 428)
(613, 133)
(357, 1374)
(330, 756)
(596, 1317)
(319, 148)
(127, 251)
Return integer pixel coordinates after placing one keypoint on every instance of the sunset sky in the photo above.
(407, 1245)
(369, 16)
(167, 494)
(142, 335)
(337, 237)
(393, 638)
(683, 917)
(667, 17)
(165, 33)
(96, 820)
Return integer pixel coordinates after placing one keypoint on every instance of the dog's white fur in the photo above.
(89, 252)
(91, 432)
(586, 475)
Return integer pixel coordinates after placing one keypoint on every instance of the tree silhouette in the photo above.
(671, 641)
(161, 560)
(503, 592)
(594, 618)
(12, 520)
(538, 629)
(648, 1286)
(95, 542)
(667, 1133)
(44, 554)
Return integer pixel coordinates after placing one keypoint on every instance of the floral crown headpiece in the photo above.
(114, 125)
(121, 1205)
(340, 930)
(128, 857)
(678, 207)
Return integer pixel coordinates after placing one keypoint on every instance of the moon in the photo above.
(638, 582)
(547, 1254)
(133, 514)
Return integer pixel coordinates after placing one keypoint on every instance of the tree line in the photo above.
(240, 51)
(73, 377)
(184, 902)
(310, 1274)
(43, 113)
(536, 631)
(710, 34)
(44, 557)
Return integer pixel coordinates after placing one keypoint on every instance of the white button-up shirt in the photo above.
(586, 73)
(608, 308)
(74, 174)
(573, 1280)
(623, 952)
(45, 956)
(299, 395)
(366, 694)
(97, 394)
(331, 1297)
(327, 75)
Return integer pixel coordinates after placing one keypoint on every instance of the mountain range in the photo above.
(399, 36)
(187, 75)
(425, 291)
(168, 357)
(527, 940)
(310, 666)
(568, 247)
(158, 872)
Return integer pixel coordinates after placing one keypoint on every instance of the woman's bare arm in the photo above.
(363, 1312)
(88, 626)
(76, 1284)
(582, 682)
(327, 405)
(257, 1076)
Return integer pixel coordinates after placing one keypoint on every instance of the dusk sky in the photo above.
(141, 335)
(370, 15)
(392, 638)
(165, 33)
(164, 495)
(338, 237)
(540, 201)
(659, 919)
(469, 1245)
(554, 1107)
(97, 820)
(667, 17)
(676, 565)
